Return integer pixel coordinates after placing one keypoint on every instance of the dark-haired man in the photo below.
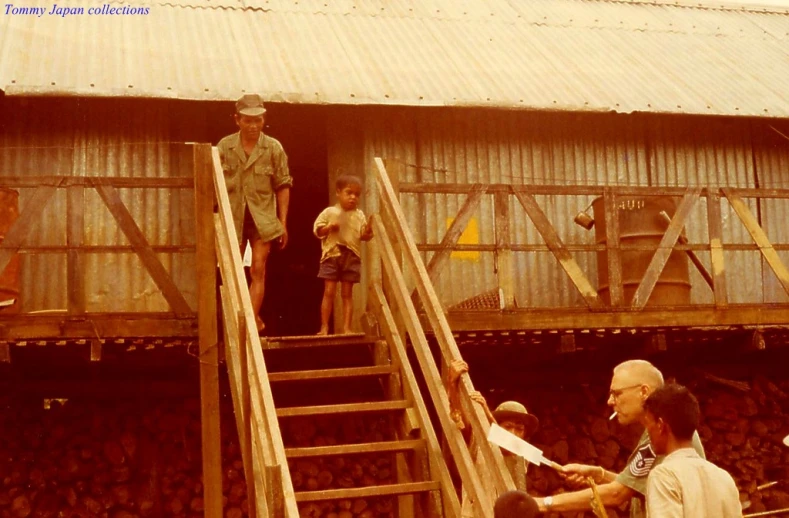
(684, 485)
(258, 185)
(515, 504)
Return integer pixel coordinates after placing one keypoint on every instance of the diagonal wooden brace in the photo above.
(559, 250)
(666, 246)
(16, 235)
(759, 237)
(141, 246)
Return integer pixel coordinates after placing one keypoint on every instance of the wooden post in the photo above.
(207, 329)
(615, 289)
(75, 276)
(715, 225)
(504, 252)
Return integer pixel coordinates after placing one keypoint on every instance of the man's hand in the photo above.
(576, 474)
(477, 397)
(283, 240)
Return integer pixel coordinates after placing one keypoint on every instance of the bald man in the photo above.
(631, 385)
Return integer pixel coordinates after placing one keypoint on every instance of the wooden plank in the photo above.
(438, 467)
(138, 182)
(715, 226)
(559, 250)
(347, 372)
(20, 326)
(371, 406)
(502, 480)
(274, 495)
(106, 249)
(456, 229)
(503, 255)
(260, 391)
(665, 248)
(563, 318)
(95, 350)
(206, 318)
(164, 282)
(576, 190)
(759, 236)
(19, 230)
(365, 492)
(75, 270)
(355, 449)
(294, 342)
(576, 247)
(615, 290)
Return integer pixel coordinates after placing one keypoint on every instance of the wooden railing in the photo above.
(270, 490)
(391, 249)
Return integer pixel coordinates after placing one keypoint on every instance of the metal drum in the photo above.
(9, 278)
(640, 224)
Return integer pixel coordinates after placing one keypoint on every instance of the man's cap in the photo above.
(786, 440)
(251, 105)
(514, 411)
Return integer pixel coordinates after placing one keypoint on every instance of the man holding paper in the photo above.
(631, 385)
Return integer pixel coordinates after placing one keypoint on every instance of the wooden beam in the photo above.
(449, 349)
(437, 466)
(105, 325)
(432, 376)
(141, 246)
(559, 250)
(5, 353)
(665, 248)
(615, 290)
(29, 182)
(207, 325)
(759, 236)
(19, 230)
(715, 226)
(75, 271)
(577, 190)
(562, 318)
(503, 254)
(456, 229)
(268, 436)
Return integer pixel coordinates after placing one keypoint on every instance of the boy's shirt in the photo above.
(349, 234)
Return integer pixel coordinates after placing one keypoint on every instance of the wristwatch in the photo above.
(547, 502)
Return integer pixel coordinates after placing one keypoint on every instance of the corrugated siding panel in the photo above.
(576, 55)
(100, 138)
(464, 146)
(771, 152)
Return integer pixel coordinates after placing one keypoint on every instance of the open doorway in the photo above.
(293, 291)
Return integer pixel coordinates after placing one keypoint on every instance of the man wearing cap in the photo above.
(258, 185)
(632, 383)
(510, 415)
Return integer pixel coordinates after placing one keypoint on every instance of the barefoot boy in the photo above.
(341, 229)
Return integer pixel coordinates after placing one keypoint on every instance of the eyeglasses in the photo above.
(616, 393)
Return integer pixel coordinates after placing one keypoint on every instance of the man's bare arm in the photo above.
(612, 494)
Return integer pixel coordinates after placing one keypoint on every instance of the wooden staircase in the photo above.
(364, 378)
(348, 377)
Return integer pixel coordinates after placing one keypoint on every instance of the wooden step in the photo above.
(350, 449)
(347, 372)
(363, 492)
(377, 406)
(293, 342)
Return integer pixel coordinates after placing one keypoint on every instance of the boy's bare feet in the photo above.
(322, 332)
(260, 324)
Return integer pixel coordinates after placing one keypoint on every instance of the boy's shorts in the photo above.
(346, 267)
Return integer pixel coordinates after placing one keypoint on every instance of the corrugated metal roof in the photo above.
(545, 54)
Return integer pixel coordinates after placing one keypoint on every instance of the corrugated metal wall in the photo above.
(487, 146)
(100, 138)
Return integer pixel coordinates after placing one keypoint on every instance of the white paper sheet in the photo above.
(248, 255)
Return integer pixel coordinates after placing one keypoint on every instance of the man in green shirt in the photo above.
(631, 385)
(258, 185)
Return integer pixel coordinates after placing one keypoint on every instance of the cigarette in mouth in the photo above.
(612, 416)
